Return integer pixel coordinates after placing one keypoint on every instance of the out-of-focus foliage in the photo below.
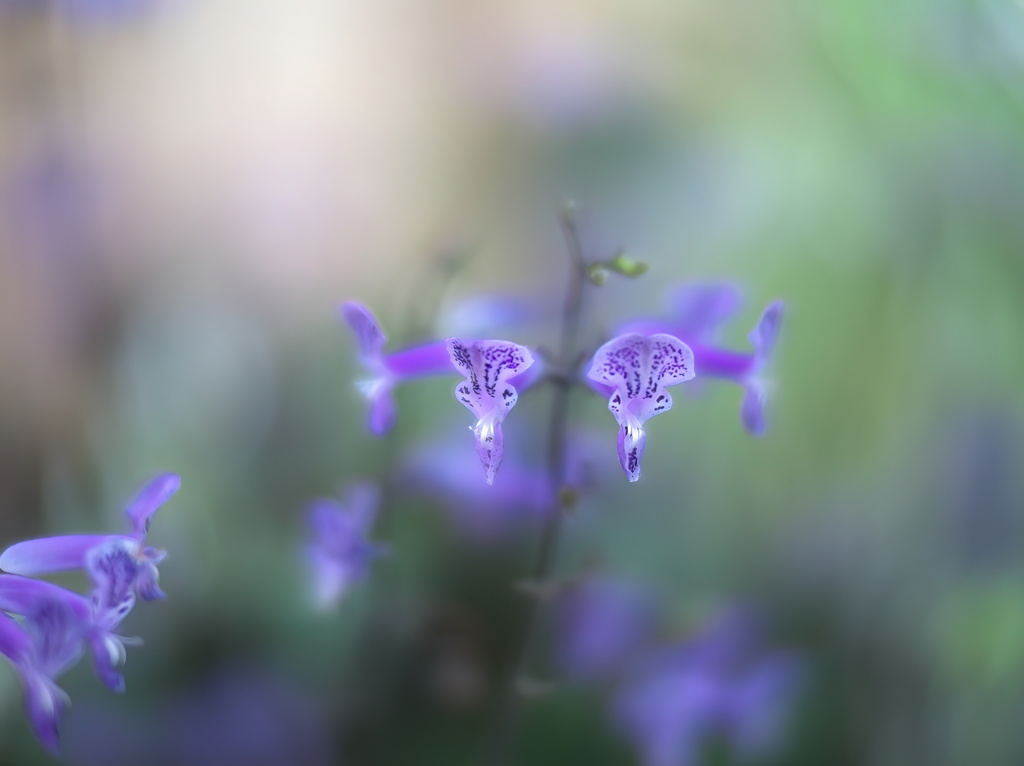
(188, 191)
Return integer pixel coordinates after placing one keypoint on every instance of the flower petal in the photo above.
(367, 330)
(45, 703)
(490, 445)
(637, 369)
(108, 654)
(151, 497)
(640, 368)
(49, 554)
(487, 391)
(430, 359)
(755, 398)
(766, 331)
(23, 595)
(632, 439)
(114, 568)
(487, 366)
(147, 582)
(15, 644)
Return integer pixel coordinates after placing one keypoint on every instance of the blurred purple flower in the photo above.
(121, 566)
(23, 595)
(491, 369)
(602, 623)
(340, 552)
(388, 370)
(720, 683)
(697, 313)
(442, 469)
(633, 371)
(44, 644)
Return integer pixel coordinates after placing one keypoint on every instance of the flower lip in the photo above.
(634, 371)
(488, 367)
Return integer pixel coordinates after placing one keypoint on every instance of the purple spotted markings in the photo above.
(634, 371)
(488, 390)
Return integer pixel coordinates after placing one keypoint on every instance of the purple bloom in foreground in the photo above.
(121, 566)
(340, 552)
(697, 315)
(602, 624)
(40, 647)
(23, 595)
(388, 370)
(719, 684)
(489, 391)
(634, 371)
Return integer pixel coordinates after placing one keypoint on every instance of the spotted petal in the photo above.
(152, 496)
(487, 391)
(635, 370)
(114, 568)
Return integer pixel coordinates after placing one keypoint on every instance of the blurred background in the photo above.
(189, 189)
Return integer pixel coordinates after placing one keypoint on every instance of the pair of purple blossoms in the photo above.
(45, 628)
(633, 370)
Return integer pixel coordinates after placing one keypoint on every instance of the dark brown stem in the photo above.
(566, 363)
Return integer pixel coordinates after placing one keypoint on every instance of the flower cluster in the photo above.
(633, 370)
(670, 700)
(44, 629)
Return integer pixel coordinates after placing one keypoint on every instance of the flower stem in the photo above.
(557, 442)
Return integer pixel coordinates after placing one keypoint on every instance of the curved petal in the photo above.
(108, 654)
(49, 554)
(381, 418)
(114, 568)
(367, 330)
(23, 595)
(147, 582)
(752, 409)
(151, 497)
(632, 439)
(488, 366)
(766, 331)
(15, 644)
(45, 703)
(487, 391)
(490, 445)
(639, 368)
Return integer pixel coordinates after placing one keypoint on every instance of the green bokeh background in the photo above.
(242, 168)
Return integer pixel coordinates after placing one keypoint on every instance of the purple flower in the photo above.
(633, 371)
(40, 647)
(23, 595)
(719, 684)
(697, 315)
(388, 370)
(340, 552)
(121, 566)
(491, 369)
(602, 623)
